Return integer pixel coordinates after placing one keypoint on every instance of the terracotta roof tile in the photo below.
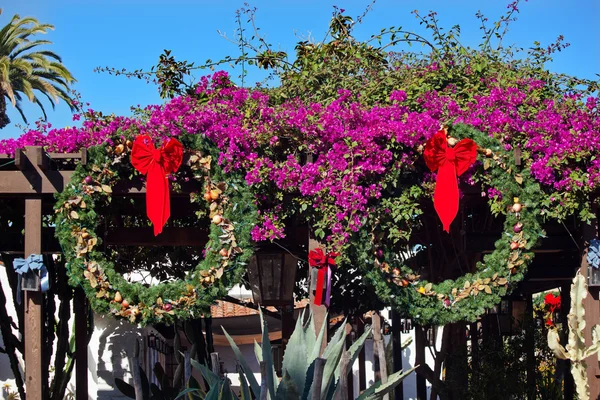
(225, 309)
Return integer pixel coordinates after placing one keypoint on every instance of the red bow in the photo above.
(157, 164)
(324, 264)
(450, 163)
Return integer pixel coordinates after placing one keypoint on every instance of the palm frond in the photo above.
(31, 45)
(26, 69)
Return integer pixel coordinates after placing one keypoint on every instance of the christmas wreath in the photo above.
(515, 195)
(222, 201)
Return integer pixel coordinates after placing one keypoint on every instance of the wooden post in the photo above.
(351, 338)
(136, 372)
(474, 347)
(287, 325)
(420, 357)
(33, 305)
(362, 371)
(187, 368)
(81, 345)
(216, 363)
(342, 390)
(565, 365)
(591, 305)
(397, 355)
(319, 313)
(379, 352)
(530, 346)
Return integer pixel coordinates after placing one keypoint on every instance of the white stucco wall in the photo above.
(6, 375)
(112, 341)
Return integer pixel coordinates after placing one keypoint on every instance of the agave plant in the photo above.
(301, 365)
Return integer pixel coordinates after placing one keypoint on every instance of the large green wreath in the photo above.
(224, 199)
(467, 297)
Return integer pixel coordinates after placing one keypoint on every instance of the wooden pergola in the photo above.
(33, 176)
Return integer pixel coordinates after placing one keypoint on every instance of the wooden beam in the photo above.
(33, 181)
(145, 237)
(482, 242)
(20, 159)
(33, 305)
(81, 344)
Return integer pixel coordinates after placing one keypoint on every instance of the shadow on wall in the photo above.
(111, 346)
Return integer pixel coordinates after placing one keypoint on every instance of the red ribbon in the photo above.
(324, 264)
(450, 164)
(157, 164)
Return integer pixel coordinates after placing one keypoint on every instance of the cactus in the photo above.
(576, 350)
(299, 364)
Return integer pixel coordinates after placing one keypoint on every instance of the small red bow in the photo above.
(325, 263)
(157, 164)
(450, 163)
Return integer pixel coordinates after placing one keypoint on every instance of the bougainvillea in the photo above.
(334, 156)
(426, 298)
(331, 162)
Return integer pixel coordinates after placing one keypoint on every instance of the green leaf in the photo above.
(244, 364)
(244, 388)
(211, 378)
(333, 355)
(226, 393)
(145, 384)
(287, 388)
(194, 384)
(191, 390)
(377, 391)
(267, 357)
(156, 392)
(337, 336)
(125, 388)
(295, 362)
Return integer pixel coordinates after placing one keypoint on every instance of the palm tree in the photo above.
(26, 71)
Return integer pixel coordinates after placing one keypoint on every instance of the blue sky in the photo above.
(132, 33)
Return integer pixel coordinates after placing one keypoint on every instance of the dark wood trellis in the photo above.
(34, 176)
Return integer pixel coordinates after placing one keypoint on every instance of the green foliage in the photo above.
(83, 208)
(298, 367)
(498, 370)
(576, 349)
(27, 71)
(466, 297)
